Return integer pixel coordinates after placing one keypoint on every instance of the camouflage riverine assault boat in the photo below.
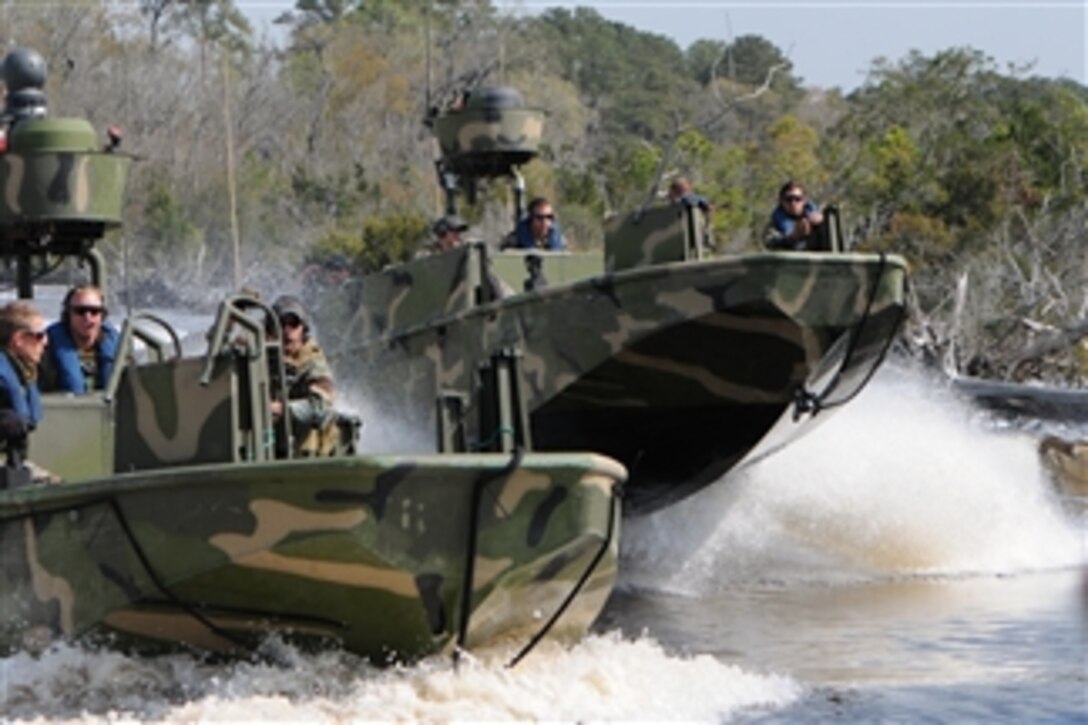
(183, 518)
(679, 365)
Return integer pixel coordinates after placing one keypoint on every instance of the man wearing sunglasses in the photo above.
(794, 220)
(538, 230)
(22, 345)
(82, 345)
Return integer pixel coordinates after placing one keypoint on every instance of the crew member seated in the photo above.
(82, 345)
(22, 344)
(309, 384)
(448, 232)
(681, 193)
(795, 221)
(537, 230)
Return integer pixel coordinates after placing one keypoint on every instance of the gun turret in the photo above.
(488, 135)
(63, 188)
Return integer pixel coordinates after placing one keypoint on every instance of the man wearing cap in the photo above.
(447, 235)
(309, 383)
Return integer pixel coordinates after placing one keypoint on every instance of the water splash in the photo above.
(385, 429)
(603, 678)
(904, 482)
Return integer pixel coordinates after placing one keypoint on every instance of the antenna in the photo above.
(427, 30)
(232, 193)
(502, 51)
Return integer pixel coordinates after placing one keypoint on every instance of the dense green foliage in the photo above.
(960, 167)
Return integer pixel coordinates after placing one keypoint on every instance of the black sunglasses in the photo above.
(92, 310)
(793, 197)
(543, 216)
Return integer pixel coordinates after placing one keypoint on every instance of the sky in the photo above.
(832, 43)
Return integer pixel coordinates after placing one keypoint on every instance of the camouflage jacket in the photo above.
(429, 248)
(309, 386)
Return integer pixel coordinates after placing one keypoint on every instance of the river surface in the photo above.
(908, 561)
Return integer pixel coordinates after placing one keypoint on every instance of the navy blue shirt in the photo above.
(523, 235)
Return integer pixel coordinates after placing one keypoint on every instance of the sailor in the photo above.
(537, 230)
(448, 232)
(682, 194)
(309, 384)
(23, 338)
(794, 221)
(82, 345)
(22, 344)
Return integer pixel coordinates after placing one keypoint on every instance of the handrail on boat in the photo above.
(131, 330)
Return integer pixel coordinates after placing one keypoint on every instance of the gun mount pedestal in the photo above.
(62, 191)
(503, 418)
(488, 137)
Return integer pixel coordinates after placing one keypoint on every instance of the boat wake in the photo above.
(905, 482)
(603, 678)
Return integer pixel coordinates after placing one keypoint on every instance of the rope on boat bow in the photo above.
(470, 563)
(617, 491)
(806, 401)
(145, 561)
(470, 550)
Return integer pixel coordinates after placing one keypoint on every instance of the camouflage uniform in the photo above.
(309, 390)
(430, 248)
(310, 401)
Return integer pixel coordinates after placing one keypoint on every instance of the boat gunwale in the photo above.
(889, 262)
(37, 498)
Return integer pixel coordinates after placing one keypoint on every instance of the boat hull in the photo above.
(371, 554)
(679, 371)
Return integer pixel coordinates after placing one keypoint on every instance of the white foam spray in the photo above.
(902, 482)
(603, 678)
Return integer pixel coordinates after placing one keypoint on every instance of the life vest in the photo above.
(66, 356)
(23, 398)
(523, 234)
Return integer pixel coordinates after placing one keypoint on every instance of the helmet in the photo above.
(289, 305)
